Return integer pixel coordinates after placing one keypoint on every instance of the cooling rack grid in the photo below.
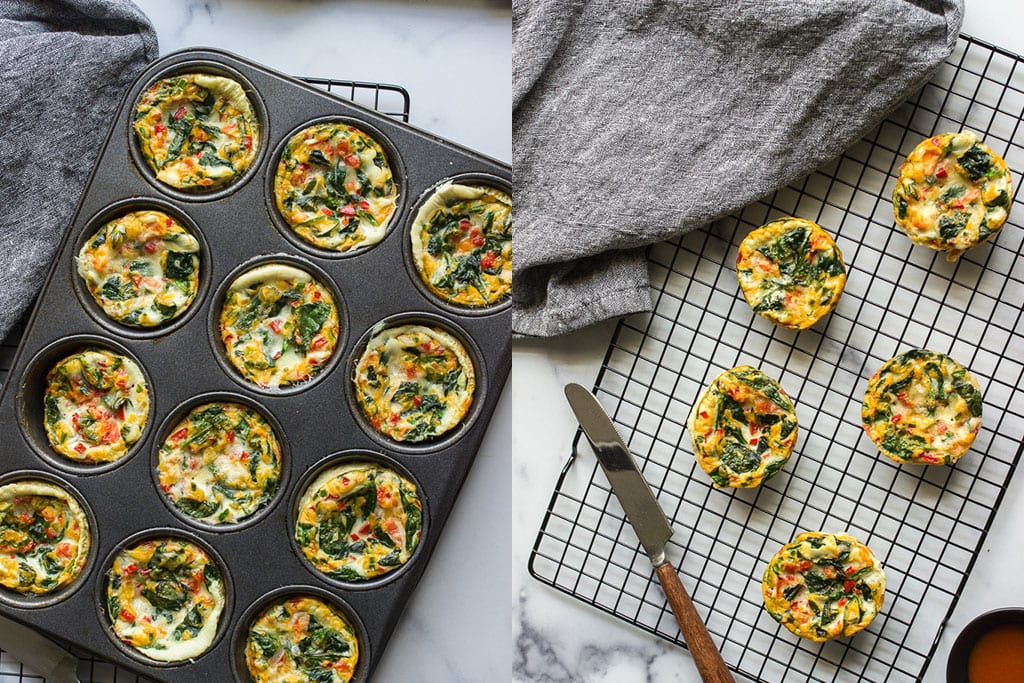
(926, 524)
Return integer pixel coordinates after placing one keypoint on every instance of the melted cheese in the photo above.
(922, 407)
(197, 130)
(95, 406)
(823, 586)
(44, 537)
(462, 244)
(334, 187)
(141, 268)
(279, 325)
(165, 598)
(743, 428)
(298, 638)
(414, 382)
(953, 193)
(358, 521)
(220, 464)
(791, 272)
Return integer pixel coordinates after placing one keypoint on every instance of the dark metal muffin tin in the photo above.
(183, 360)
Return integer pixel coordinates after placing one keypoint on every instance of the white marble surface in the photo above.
(454, 58)
(559, 639)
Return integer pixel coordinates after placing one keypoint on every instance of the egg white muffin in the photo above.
(359, 521)
(44, 537)
(922, 407)
(164, 598)
(414, 382)
(791, 272)
(743, 428)
(221, 463)
(334, 187)
(279, 325)
(462, 244)
(197, 131)
(142, 268)
(823, 586)
(301, 639)
(95, 406)
(953, 193)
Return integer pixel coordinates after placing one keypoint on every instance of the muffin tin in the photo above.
(317, 423)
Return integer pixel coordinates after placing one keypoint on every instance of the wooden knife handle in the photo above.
(709, 661)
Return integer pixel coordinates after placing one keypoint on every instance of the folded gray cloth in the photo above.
(66, 65)
(636, 121)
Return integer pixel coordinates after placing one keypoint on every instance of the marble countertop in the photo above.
(558, 639)
(454, 58)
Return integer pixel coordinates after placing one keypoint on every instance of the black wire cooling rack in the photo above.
(390, 100)
(926, 524)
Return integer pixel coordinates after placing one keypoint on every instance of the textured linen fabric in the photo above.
(65, 66)
(635, 121)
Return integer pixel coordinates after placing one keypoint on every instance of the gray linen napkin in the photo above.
(635, 121)
(65, 65)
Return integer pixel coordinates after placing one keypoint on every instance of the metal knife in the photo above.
(650, 524)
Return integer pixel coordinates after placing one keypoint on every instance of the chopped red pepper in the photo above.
(318, 342)
(363, 204)
(896, 418)
(247, 142)
(182, 110)
(127, 616)
(275, 325)
(417, 400)
(159, 129)
(464, 224)
(80, 447)
(180, 434)
(352, 160)
(477, 240)
(848, 585)
(150, 246)
(941, 173)
(326, 211)
(348, 210)
(488, 260)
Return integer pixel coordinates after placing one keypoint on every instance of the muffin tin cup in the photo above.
(398, 173)
(178, 414)
(446, 439)
(489, 180)
(197, 66)
(184, 364)
(30, 402)
(320, 276)
(33, 601)
(358, 456)
(252, 613)
(116, 210)
(174, 534)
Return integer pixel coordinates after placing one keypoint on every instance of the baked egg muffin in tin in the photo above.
(220, 464)
(44, 537)
(359, 521)
(791, 272)
(953, 193)
(95, 406)
(197, 130)
(142, 268)
(414, 382)
(922, 407)
(743, 427)
(164, 598)
(822, 586)
(279, 325)
(462, 244)
(334, 187)
(301, 638)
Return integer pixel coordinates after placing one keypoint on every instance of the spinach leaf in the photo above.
(950, 227)
(51, 410)
(901, 206)
(210, 159)
(317, 157)
(311, 318)
(192, 624)
(195, 508)
(141, 267)
(738, 458)
(975, 162)
(117, 290)
(450, 382)
(267, 644)
(952, 192)
(970, 395)
(166, 311)
(332, 535)
(165, 595)
(1002, 199)
(346, 574)
(792, 591)
(178, 265)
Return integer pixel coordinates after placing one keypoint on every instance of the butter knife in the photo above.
(650, 524)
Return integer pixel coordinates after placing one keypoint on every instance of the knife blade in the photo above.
(650, 524)
(630, 487)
